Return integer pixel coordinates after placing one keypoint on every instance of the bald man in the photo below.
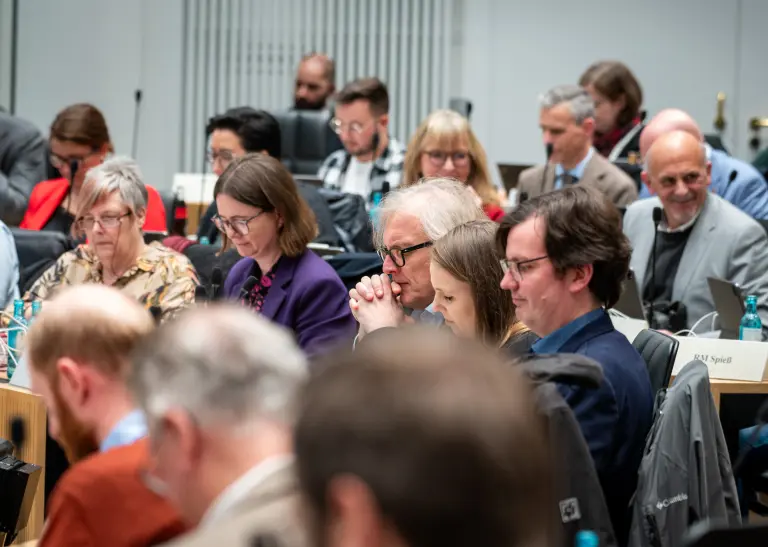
(732, 179)
(314, 82)
(700, 235)
(79, 351)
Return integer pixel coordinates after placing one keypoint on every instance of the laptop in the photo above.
(630, 303)
(729, 304)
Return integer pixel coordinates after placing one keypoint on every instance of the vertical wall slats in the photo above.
(245, 53)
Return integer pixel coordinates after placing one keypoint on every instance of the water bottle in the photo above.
(37, 305)
(15, 332)
(587, 538)
(205, 241)
(751, 327)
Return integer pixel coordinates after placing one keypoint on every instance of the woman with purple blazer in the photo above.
(261, 213)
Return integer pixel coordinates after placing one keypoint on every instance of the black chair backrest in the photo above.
(306, 139)
(461, 105)
(37, 250)
(658, 351)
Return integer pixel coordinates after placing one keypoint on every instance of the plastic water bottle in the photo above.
(751, 327)
(15, 333)
(587, 538)
(205, 241)
(37, 305)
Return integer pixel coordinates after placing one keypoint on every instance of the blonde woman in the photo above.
(444, 145)
(466, 275)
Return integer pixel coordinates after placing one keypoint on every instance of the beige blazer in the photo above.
(598, 173)
(270, 509)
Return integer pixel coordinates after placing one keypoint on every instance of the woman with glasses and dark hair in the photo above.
(79, 141)
(444, 145)
(466, 276)
(112, 209)
(261, 213)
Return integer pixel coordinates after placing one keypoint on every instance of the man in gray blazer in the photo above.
(567, 120)
(701, 235)
(220, 385)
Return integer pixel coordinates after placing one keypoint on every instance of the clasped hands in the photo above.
(374, 303)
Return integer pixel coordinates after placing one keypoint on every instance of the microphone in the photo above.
(523, 198)
(136, 112)
(216, 279)
(201, 293)
(248, 286)
(157, 313)
(18, 433)
(548, 150)
(732, 176)
(657, 212)
(375, 140)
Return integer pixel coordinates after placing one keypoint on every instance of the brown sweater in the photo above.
(103, 501)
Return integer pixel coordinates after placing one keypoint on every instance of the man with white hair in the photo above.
(731, 179)
(409, 220)
(567, 120)
(218, 387)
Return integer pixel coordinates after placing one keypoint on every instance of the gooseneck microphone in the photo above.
(248, 286)
(18, 434)
(216, 279)
(201, 293)
(657, 212)
(136, 113)
(548, 150)
(732, 176)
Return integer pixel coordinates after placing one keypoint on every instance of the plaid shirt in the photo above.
(387, 168)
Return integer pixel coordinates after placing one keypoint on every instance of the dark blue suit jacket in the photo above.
(616, 417)
(306, 296)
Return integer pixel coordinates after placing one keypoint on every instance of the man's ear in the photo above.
(580, 277)
(354, 514)
(73, 384)
(646, 180)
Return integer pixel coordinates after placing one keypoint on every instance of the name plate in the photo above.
(726, 359)
(627, 326)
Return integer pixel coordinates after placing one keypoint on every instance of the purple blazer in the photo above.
(306, 296)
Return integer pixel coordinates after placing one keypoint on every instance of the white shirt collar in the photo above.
(243, 486)
(667, 230)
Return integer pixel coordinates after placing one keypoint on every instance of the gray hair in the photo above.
(222, 365)
(579, 102)
(117, 174)
(440, 204)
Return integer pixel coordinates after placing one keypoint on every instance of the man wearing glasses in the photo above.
(565, 258)
(700, 235)
(370, 157)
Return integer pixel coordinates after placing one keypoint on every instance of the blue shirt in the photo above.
(129, 429)
(577, 172)
(9, 267)
(554, 341)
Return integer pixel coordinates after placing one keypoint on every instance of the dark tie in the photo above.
(568, 179)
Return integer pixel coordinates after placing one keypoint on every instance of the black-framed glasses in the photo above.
(237, 225)
(438, 157)
(107, 221)
(398, 255)
(519, 267)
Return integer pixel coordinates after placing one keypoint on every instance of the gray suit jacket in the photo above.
(725, 243)
(599, 173)
(271, 509)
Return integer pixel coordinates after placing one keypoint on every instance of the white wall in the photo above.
(6, 49)
(101, 51)
(683, 52)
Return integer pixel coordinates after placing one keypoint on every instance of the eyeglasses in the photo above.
(226, 156)
(438, 158)
(237, 225)
(398, 255)
(58, 161)
(518, 268)
(107, 221)
(338, 127)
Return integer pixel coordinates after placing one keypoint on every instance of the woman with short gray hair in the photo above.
(111, 213)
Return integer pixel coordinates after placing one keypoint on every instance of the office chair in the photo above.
(658, 351)
(37, 250)
(306, 139)
(461, 105)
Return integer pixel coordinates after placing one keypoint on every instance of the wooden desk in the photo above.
(728, 387)
(20, 402)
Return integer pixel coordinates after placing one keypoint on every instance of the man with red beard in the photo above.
(79, 353)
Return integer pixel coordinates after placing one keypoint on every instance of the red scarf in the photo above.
(606, 142)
